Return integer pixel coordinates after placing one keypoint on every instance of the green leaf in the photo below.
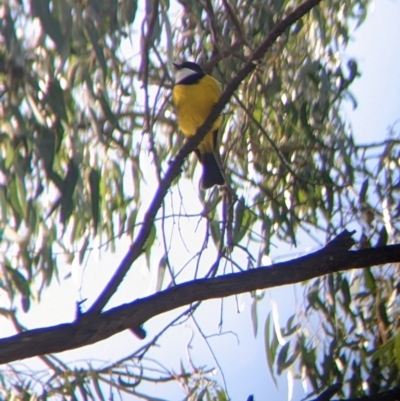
(105, 106)
(25, 303)
(93, 35)
(46, 146)
(22, 196)
(363, 191)
(291, 327)
(56, 100)
(238, 217)
(149, 243)
(20, 282)
(282, 357)
(41, 9)
(127, 12)
(383, 237)
(247, 221)
(271, 345)
(386, 349)
(222, 396)
(345, 288)
(215, 232)
(48, 267)
(94, 188)
(369, 279)
(69, 184)
(10, 153)
(14, 197)
(96, 385)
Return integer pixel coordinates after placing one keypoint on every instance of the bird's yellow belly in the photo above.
(193, 105)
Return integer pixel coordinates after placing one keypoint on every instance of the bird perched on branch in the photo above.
(194, 95)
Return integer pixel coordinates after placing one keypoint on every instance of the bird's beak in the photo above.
(175, 65)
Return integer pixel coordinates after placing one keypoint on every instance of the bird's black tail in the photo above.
(211, 172)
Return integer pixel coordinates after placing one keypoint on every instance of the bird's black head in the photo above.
(188, 73)
(189, 65)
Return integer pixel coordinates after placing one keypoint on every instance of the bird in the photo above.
(194, 95)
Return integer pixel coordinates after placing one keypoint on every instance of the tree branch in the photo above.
(334, 257)
(174, 170)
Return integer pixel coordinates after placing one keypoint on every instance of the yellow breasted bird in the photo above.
(194, 95)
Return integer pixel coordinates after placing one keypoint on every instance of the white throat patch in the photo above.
(183, 73)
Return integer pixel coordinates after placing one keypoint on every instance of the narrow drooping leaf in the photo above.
(94, 188)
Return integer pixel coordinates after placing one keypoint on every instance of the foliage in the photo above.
(87, 130)
(347, 330)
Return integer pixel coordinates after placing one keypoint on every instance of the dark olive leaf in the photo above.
(97, 387)
(383, 317)
(345, 289)
(84, 390)
(353, 67)
(291, 326)
(386, 349)
(25, 303)
(383, 237)
(68, 189)
(149, 243)
(94, 38)
(47, 264)
(55, 98)
(10, 154)
(267, 226)
(315, 302)
(396, 350)
(331, 284)
(110, 115)
(64, 10)
(127, 12)
(13, 196)
(94, 188)
(41, 9)
(369, 280)
(32, 216)
(20, 282)
(238, 218)
(292, 357)
(248, 220)
(274, 86)
(363, 191)
(282, 357)
(271, 345)
(22, 196)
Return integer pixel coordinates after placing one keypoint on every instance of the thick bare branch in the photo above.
(334, 257)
